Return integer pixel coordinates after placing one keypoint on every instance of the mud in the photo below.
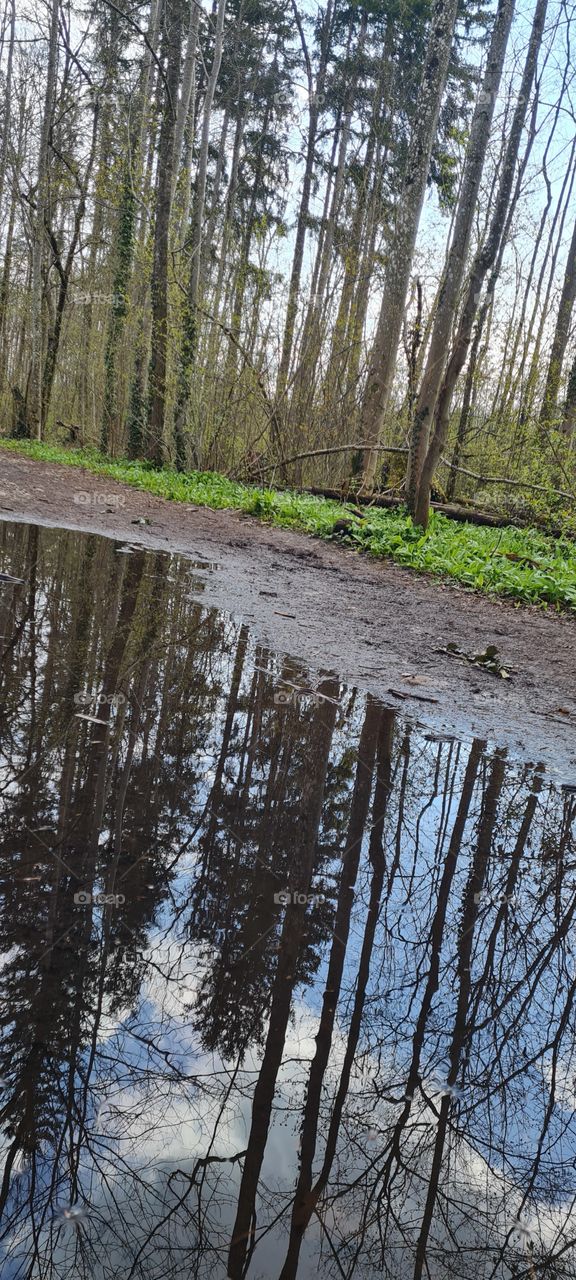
(374, 624)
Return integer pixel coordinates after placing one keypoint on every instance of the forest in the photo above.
(287, 640)
(312, 246)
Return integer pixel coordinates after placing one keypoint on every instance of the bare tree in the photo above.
(549, 412)
(173, 18)
(403, 240)
(34, 395)
(420, 488)
(456, 264)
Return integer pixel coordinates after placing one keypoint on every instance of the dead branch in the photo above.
(338, 448)
(381, 448)
(516, 484)
(466, 515)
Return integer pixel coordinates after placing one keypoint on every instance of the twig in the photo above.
(149, 47)
(338, 448)
(271, 408)
(516, 484)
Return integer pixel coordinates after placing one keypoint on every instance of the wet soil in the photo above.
(376, 625)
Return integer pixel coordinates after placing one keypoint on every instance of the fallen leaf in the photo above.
(488, 660)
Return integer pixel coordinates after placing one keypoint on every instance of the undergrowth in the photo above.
(524, 564)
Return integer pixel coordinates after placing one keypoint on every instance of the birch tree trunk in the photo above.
(9, 244)
(187, 95)
(186, 155)
(420, 505)
(455, 267)
(409, 208)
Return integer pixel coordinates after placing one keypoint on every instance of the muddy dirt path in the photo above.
(376, 625)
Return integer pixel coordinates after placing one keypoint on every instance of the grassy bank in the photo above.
(523, 564)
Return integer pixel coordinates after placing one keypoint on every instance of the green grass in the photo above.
(523, 564)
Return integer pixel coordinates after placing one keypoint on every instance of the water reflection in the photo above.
(287, 985)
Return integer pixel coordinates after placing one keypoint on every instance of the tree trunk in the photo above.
(312, 333)
(305, 1198)
(409, 208)
(420, 507)
(549, 415)
(190, 318)
(292, 939)
(187, 94)
(7, 102)
(569, 419)
(454, 273)
(34, 393)
(344, 357)
(185, 156)
(463, 991)
(227, 229)
(65, 272)
(125, 244)
(466, 410)
(315, 94)
(8, 248)
(173, 20)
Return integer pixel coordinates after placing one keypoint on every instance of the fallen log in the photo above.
(465, 515)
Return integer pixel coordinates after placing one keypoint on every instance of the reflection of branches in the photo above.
(305, 1199)
(433, 1077)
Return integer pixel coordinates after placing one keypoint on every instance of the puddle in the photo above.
(287, 982)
